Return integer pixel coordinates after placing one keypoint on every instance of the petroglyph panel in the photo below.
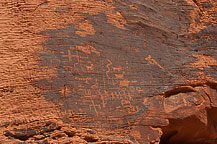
(103, 68)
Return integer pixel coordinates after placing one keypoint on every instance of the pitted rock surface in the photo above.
(112, 71)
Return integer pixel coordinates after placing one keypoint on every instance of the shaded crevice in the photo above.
(197, 4)
(191, 130)
(70, 133)
(167, 136)
(189, 88)
(212, 84)
(177, 90)
(90, 139)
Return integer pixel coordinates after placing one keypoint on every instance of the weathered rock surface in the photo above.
(108, 71)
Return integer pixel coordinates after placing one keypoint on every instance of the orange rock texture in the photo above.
(108, 72)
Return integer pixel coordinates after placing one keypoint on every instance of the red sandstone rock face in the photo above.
(112, 71)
